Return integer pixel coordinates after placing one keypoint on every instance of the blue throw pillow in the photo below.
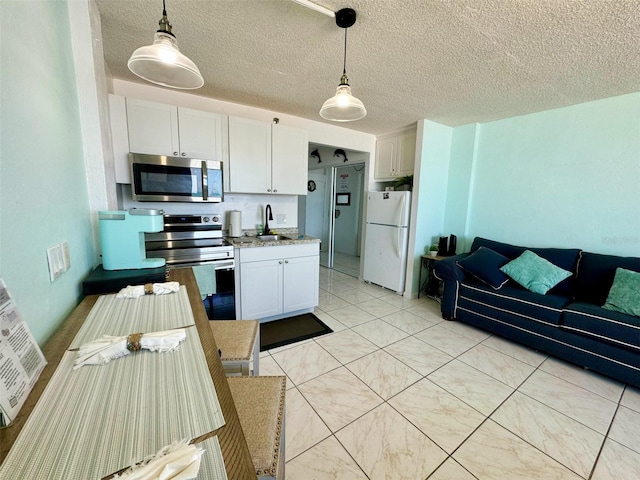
(624, 296)
(484, 264)
(535, 273)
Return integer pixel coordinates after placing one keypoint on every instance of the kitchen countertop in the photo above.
(252, 241)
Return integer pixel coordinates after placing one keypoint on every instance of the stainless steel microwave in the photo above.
(158, 178)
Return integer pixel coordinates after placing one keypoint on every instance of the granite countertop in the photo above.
(251, 241)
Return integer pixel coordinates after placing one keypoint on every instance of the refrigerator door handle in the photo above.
(401, 211)
(398, 242)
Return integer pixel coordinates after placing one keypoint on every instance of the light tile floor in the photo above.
(397, 393)
(344, 263)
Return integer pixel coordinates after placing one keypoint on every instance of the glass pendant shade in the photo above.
(163, 64)
(343, 106)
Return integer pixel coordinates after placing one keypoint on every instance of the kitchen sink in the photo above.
(272, 238)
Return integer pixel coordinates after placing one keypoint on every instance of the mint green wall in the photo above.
(463, 144)
(43, 193)
(430, 189)
(568, 177)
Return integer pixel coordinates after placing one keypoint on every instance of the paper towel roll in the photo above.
(235, 223)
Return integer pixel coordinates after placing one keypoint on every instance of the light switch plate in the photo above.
(55, 261)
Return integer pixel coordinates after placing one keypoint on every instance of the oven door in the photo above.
(174, 179)
(219, 296)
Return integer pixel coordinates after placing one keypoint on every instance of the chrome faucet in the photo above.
(269, 216)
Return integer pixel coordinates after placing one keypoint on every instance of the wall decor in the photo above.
(343, 199)
(311, 186)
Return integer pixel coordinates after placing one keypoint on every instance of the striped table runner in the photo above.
(122, 316)
(96, 420)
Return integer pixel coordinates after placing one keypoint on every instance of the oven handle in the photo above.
(205, 181)
(219, 264)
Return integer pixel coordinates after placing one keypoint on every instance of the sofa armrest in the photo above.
(451, 275)
(448, 270)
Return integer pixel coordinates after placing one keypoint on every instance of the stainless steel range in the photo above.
(197, 241)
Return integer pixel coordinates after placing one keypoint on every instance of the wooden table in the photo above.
(233, 444)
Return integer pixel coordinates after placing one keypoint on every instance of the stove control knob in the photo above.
(205, 219)
(215, 219)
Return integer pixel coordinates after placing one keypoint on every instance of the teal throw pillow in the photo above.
(535, 273)
(624, 296)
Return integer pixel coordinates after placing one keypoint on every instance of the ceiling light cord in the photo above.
(344, 80)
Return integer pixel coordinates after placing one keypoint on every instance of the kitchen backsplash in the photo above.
(284, 208)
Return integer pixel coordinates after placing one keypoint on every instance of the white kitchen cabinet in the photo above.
(160, 129)
(119, 137)
(279, 280)
(267, 158)
(395, 155)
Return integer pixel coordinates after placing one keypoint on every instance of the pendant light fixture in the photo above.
(162, 63)
(343, 107)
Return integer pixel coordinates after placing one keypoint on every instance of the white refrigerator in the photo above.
(387, 235)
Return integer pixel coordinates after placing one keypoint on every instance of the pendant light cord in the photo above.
(344, 67)
(164, 9)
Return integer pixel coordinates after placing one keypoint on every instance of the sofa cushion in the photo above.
(565, 258)
(484, 264)
(624, 295)
(534, 272)
(513, 300)
(595, 274)
(594, 321)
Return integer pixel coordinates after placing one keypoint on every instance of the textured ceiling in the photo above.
(450, 61)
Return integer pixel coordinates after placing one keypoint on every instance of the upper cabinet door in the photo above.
(200, 134)
(119, 137)
(153, 128)
(386, 151)
(406, 154)
(249, 156)
(289, 158)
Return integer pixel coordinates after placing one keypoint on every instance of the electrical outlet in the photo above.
(281, 218)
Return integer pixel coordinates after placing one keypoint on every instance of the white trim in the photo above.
(559, 342)
(637, 327)
(591, 334)
(515, 299)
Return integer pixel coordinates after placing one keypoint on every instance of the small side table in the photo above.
(431, 285)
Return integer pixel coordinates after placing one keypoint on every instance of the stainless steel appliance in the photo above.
(160, 178)
(197, 241)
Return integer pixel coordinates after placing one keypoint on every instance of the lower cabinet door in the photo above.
(261, 289)
(300, 283)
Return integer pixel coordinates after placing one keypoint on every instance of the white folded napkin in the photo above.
(135, 291)
(102, 350)
(178, 461)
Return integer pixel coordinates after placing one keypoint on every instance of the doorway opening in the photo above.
(334, 209)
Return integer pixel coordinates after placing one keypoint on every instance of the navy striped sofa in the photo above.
(568, 322)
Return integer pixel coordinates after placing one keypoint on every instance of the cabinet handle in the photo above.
(275, 191)
(175, 154)
(286, 261)
(184, 154)
(280, 262)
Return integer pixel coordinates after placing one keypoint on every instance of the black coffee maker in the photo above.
(447, 249)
